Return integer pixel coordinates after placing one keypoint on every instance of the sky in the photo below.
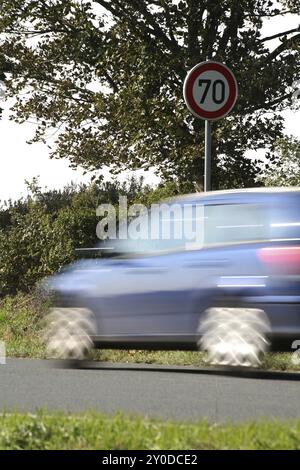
(21, 161)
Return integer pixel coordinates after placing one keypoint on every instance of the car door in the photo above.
(151, 294)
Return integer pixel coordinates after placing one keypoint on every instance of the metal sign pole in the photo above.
(210, 92)
(207, 162)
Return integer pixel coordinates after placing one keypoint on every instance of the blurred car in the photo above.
(233, 291)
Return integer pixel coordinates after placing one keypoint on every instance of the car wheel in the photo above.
(234, 336)
(68, 334)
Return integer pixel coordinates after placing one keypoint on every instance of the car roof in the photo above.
(241, 195)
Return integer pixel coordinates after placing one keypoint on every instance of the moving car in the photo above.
(233, 290)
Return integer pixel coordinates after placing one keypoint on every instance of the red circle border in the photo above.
(188, 90)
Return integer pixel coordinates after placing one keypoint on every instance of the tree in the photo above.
(285, 170)
(108, 76)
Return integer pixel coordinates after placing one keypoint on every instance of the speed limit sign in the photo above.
(210, 90)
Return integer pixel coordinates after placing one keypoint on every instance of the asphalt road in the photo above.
(184, 393)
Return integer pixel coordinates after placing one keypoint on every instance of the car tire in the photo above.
(234, 336)
(68, 335)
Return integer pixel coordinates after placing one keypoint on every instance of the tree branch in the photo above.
(272, 15)
(285, 45)
(192, 36)
(284, 33)
(269, 104)
(159, 33)
(231, 29)
(111, 82)
(120, 11)
(108, 6)
(214, 12)
(169, 22)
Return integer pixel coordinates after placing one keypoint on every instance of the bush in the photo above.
(38, 235)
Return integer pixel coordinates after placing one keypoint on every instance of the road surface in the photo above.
(181, 393)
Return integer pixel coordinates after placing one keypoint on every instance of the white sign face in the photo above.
(210, 90)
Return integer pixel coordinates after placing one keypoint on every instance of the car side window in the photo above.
(234, 223)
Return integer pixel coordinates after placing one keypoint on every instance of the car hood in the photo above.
(84, 274)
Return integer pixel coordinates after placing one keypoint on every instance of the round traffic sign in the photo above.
(210, 90)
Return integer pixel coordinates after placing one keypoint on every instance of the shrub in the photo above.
(38, 234)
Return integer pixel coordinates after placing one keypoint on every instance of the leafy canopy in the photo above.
(109, 75)
(285, 170)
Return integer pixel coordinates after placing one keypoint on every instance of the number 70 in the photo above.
(218, 90)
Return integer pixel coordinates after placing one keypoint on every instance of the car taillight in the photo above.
(281, 260)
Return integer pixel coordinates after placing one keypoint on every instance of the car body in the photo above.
(246, 259)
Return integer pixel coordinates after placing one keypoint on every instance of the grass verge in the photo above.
(21, 325)
(93, 430)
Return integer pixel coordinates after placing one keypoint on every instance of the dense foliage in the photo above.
(109, 76)
(38, 234)
(285, 170)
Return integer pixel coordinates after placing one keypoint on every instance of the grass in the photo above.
(93, 430)
(273, 361)
(21, 319)
(21, 325)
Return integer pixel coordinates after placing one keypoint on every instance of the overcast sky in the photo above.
(21, 161)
